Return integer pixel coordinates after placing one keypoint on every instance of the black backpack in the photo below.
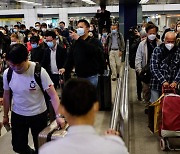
(37, 77)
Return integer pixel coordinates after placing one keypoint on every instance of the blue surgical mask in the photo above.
(14, 30)
(34, 45)
(50, 44)
(104, 34)
(80, 31)
(114, 31)
(22, 31)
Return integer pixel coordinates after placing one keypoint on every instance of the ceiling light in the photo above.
(143, 1)
(89, 2)
(28, 2)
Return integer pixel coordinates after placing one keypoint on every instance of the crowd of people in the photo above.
(55, 52)
(156, 62)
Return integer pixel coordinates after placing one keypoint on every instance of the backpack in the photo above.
(37, 77)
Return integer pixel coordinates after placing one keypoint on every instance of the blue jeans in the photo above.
(93, 79)
(155, 94)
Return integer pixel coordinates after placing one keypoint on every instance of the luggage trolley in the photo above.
(170, 125)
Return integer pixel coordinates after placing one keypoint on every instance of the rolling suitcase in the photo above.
(104, 91)
(169, 127)
(51, 132)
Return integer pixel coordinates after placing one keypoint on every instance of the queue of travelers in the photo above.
(156, 63)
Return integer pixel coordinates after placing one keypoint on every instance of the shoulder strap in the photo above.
(37, 75)
(9, 74)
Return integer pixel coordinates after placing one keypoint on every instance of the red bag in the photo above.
(171, 112)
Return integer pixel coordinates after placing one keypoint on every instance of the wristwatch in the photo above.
(59, 116)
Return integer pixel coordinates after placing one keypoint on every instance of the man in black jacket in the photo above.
(37, 51)
(54, 57)
(86, 54)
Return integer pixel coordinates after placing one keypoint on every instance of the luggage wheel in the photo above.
(164, 145)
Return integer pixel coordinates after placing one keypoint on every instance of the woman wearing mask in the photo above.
(15, 39)
(92, 31)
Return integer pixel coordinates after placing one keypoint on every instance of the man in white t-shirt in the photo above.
(28, 103)
(79, 105)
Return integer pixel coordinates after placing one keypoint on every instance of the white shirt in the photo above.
(28, 99)
(54, 69)
(83, 139)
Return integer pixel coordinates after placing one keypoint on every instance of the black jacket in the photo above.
(61, 55)
(87, 57)
(37, 54)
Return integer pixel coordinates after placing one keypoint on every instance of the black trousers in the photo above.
(55, 80)
(138, 85)
(20, 130)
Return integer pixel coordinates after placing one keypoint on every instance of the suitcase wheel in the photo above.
(163, 144)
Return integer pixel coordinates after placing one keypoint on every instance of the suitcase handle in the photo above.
(168, 89)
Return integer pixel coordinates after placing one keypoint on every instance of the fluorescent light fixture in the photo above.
(89, 2)
(143, 1)
(29, 2)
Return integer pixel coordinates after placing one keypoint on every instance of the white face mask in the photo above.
(151, 37)
(80, 31)
(3, 31)
(169, 46)
(91, 29)
(37, 28)
(12, 43)
(43, 29)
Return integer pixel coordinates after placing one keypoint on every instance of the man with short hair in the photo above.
(165, 66)
(54, 57)
(116, 47)
(16, 30)
(85, 55)
(64, 31)
(36, 52)
(79, 105)
(143, 56)
(28, 103)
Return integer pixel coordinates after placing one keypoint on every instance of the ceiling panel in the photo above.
(13, 4)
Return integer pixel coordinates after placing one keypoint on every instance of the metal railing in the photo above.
(120, 114)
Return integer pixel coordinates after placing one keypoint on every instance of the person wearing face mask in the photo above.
(116, 47)
(64, 31)
(92, 31)
(143, 56)
(36, 51)
(24, 32)
(16, 30)
(54, 57)
(14, 39)
(43, 29)
(171, 28)
(29, 109)
(85, 55)
(165, 66)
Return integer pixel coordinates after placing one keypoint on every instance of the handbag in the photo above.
(155, 115)
(145, 74)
